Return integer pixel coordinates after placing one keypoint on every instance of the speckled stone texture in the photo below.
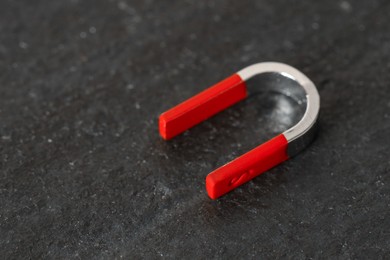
(84, 173)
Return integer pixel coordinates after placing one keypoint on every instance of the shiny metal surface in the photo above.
(300, 135)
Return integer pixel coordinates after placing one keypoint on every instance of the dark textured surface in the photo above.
(83, 172)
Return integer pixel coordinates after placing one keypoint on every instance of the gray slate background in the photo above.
(84, 173)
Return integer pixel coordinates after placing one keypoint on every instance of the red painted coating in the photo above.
(208, 103)
(202, 106)
(247, 166)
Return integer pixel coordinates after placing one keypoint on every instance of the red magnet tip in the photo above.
(246, 167)
(202, 106)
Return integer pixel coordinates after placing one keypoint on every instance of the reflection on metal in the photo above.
(300, 135)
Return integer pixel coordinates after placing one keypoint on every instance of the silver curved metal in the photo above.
(300, 135)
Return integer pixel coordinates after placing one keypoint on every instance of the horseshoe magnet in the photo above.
(232, 90)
